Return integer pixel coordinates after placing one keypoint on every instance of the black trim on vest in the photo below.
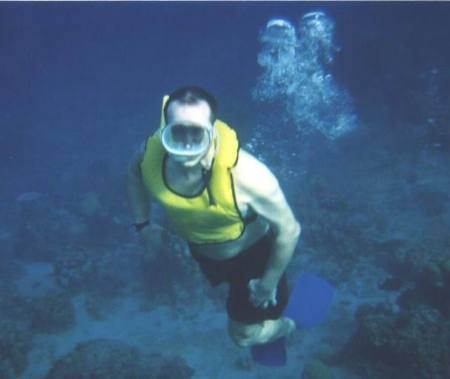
(233, 190)
(146, 144)
(237, 152)
(212, 201)
(207, 179)
(232, 181)
(234, 198)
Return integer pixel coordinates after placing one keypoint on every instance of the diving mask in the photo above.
(187, 140)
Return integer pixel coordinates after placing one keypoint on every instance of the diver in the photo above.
(226, 204)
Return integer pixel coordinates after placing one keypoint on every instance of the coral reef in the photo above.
(425, 264)
(15, 342)
(14, 307)
(52, 313)
(97, 305)
(43, 225)
(102, 270)
(73, 269)
(432, 201)
(316, 369)
(104, 358)
(169, 274)
(174, 367)
(414, 343)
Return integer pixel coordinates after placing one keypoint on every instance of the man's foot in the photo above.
(265, 332)
(275, 329)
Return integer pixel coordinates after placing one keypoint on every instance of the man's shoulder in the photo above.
(247, 160)
(252, 174)
(249, 163)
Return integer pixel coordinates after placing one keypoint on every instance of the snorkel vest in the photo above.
(211, 216)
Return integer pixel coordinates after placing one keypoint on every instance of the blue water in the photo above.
(79, 78)
(81, 87)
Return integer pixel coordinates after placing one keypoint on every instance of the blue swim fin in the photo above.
(308, 306)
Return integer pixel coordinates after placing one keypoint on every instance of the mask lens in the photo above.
(186, 140)
(188, 134)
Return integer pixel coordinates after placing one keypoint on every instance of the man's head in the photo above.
(191, 96)
(189, 113)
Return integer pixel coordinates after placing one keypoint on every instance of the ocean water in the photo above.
(351, 115)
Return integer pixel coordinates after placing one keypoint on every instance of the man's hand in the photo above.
(261, 296)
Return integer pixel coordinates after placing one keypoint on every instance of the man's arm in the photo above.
(264, 195)
(137, 193)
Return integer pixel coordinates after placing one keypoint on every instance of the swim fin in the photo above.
(308, 305)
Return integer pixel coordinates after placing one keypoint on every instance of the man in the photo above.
(226, 204)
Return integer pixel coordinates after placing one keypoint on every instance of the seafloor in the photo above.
(80, 297)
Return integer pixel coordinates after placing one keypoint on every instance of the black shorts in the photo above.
(237, 271)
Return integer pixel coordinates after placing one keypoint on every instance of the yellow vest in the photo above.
(213, 215)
